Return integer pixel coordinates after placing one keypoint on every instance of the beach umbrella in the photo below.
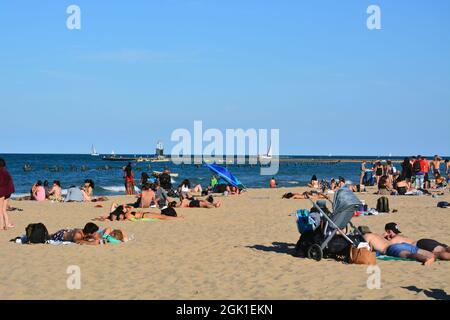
(226, 175)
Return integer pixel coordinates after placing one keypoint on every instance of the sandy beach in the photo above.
(242, 250)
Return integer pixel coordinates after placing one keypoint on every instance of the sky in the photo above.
(138, 70)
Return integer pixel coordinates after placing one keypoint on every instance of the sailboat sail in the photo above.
(93, 151)
(269, 152)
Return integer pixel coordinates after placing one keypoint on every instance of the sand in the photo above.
(242, 250)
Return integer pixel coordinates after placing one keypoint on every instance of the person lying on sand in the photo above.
(197, 203)
(127, 213)
(399, 250)
(305, 195)
(440, 250)
(110, 235)
(78, 236)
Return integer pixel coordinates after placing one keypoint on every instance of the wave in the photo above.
(117, 188)
(20, 195)
(293, 182)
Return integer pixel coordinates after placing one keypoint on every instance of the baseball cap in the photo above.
(392, 226)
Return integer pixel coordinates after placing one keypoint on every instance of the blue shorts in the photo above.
(395, 249)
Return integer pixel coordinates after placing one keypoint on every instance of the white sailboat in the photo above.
(267, 156)
(94, 152)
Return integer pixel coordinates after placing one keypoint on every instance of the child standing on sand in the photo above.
(6, 190)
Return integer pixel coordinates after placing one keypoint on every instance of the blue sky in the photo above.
(137, 70)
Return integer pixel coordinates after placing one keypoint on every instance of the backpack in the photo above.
(36, 233)
(416, 167)
(383, 205)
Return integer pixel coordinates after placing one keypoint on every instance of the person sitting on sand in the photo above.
(440, 250)
(75, 194)
(38, 191)
(314, 183)
(88, 189)
(184, 189)
(398, 249)
(401, 185)
(439, 181)
(147, 198)
(343, 184)
(161, 196)
(198, 203)
(55, 193)
(78, 236)
(385, 188)
(305, 195)
(333, 184)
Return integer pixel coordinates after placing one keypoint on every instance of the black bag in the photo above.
(383, 205)
(169, 212)
(36, 233)
(338, 246)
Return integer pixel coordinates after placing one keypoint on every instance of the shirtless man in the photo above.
(436, 165)
(440, 250)
(147, 197)
(78, 236)
(401, 249)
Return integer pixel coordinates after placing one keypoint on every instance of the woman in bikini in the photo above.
(129, 179)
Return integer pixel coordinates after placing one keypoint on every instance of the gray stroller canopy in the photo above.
(344, 206)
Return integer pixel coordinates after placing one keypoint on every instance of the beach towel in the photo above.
(144, 219)
(389, 258)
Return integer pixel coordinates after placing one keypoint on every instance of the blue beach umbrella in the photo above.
(225, 175)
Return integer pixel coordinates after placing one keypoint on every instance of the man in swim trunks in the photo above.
(78, 236)
(440, 250)
(401, 250)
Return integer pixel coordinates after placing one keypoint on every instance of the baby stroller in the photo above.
(345, 204)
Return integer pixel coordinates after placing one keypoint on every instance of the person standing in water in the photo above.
(6, 190)
(273, 183)
(128, 179)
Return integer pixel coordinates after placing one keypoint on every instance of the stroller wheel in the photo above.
(315, 252)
